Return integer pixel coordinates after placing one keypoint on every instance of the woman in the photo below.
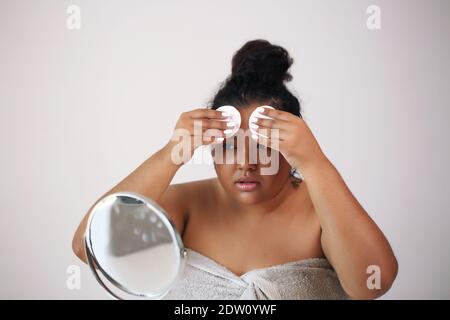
(253, 235)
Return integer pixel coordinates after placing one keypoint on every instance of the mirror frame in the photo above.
(95, 266)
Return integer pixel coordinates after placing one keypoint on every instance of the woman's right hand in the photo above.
(196, 128)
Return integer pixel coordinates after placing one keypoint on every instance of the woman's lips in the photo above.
(247, 185)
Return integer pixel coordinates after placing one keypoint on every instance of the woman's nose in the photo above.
(247, 166)
(246, 161)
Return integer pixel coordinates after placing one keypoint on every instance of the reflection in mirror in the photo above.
(133, 245)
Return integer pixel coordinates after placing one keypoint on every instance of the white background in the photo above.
(80, 109)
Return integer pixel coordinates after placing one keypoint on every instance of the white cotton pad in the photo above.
(256, 114)
(234, 117)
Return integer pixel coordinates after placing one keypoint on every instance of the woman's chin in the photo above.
(250, 198)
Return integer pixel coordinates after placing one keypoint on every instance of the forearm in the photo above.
(351, 239)
(150, 179)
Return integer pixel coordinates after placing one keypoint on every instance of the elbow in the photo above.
(390, 275)
(366, 292)
(78, 248)
(369, 294)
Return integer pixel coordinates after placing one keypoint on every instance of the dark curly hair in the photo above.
(258, 72)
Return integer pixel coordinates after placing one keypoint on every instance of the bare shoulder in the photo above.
(179, 199)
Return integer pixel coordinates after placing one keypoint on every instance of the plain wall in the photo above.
(80, 109)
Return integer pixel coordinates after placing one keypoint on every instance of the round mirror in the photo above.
(132, 247)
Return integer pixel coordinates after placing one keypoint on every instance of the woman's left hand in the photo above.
(295, 140)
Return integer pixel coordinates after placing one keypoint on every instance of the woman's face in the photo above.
(246, 180)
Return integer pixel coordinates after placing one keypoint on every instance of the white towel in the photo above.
(204, 278)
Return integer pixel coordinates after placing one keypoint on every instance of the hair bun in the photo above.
(259, 61)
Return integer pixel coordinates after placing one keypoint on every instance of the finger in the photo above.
(213, 133)
(216, 140)
(268, 142)
(277, 114)
(207, 113)
(268, 123)
(271, 133)
(204, 125)
(217, 124)
(207, 139)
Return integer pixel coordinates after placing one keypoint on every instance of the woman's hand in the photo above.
(153, 177)
(196, 128)
(295, 140)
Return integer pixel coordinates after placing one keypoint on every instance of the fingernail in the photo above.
(231, 124)
(260, 109)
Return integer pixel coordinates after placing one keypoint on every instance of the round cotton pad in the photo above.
(234, 117)
(256, 114)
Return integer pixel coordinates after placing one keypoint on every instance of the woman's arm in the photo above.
(350, 238)
(150, 179)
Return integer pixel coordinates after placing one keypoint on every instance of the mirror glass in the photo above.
(133, 247)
